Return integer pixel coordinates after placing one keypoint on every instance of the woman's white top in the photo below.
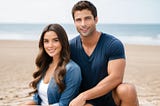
(42, 91)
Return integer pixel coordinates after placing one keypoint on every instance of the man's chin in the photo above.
(84, 34)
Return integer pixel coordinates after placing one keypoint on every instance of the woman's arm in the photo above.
(29, 103)
(72, 82)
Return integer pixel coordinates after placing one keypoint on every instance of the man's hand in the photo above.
(78, 101)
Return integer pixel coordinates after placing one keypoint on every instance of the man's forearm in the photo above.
(102, 88)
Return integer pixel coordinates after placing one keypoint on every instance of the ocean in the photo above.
(144, 34)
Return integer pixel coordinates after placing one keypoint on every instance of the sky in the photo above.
(52, 11)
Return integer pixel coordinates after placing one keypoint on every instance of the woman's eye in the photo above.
(45, 41)
(56, 40)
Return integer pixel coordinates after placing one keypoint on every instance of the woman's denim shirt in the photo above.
(72, 82)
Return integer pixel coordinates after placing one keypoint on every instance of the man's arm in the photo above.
(116, 71)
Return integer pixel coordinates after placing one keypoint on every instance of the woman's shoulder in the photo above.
(73, 70)
(72, 65)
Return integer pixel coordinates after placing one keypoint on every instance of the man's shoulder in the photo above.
(108, 36)
(110, 40)
(74, 40)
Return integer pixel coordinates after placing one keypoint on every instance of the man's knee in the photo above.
(127, 91)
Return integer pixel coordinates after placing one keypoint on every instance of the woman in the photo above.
(57, 79)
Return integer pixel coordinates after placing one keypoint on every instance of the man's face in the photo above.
(85, 22)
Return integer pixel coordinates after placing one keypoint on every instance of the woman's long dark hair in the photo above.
(43, 60)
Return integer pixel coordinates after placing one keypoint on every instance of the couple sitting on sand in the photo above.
(85, 71)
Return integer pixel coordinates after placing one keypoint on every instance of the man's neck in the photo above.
(91, 40)
(89, 43)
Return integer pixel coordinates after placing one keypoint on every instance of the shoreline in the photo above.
(17, 65)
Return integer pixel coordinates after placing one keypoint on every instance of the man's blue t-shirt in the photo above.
(94, 67)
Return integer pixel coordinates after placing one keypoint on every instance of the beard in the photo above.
(86, 33)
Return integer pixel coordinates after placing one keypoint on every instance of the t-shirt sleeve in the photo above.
(116, 50)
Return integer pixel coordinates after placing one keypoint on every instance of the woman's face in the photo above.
(52, 44)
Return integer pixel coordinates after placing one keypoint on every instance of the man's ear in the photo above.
(96, 19)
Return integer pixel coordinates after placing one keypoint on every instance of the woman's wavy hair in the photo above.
(43, 60)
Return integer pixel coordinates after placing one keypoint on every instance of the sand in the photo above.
(17, 64)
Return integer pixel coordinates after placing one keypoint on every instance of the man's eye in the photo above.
(78, 20)
(88, 18)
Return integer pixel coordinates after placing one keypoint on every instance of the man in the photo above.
(102, 61)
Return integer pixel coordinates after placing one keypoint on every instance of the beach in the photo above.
(17, 65)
